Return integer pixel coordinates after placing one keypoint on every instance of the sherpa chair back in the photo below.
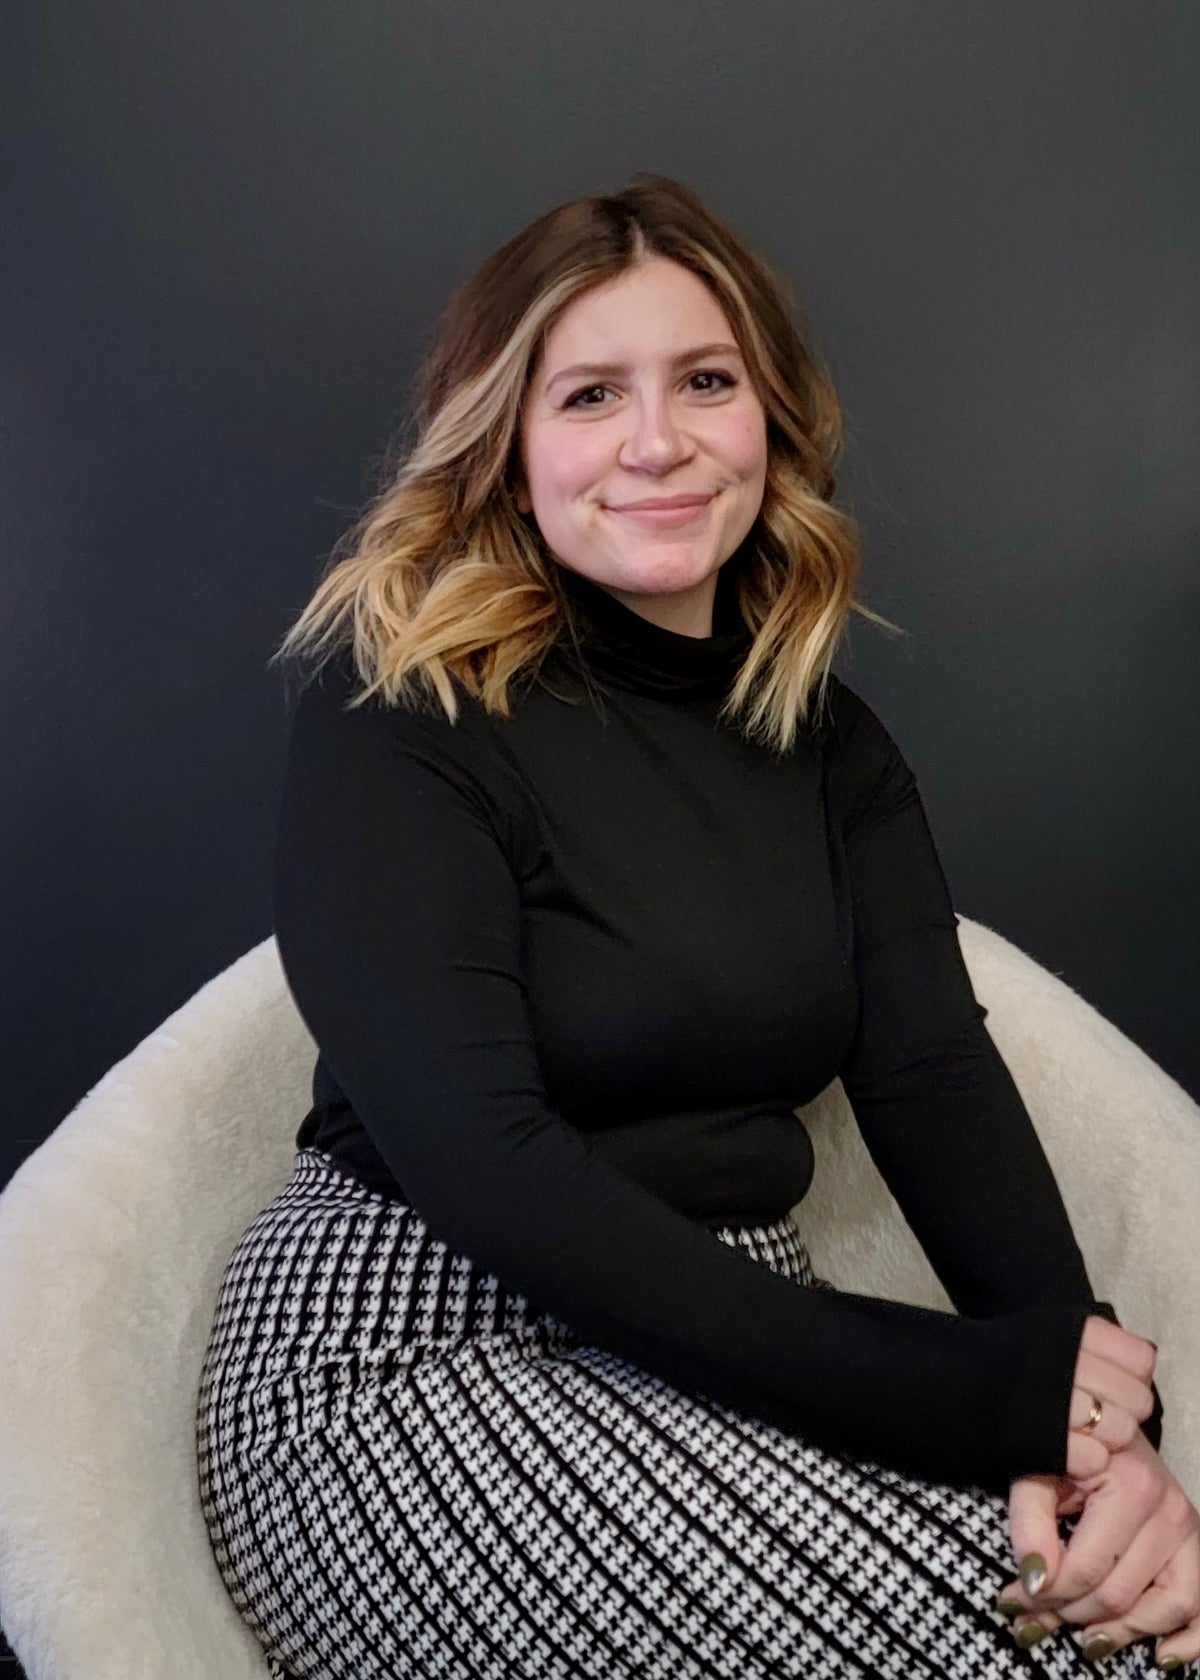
(114, 1234)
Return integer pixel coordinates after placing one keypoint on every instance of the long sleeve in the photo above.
(936, 1104)
(399, 922)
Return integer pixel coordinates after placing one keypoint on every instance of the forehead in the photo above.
(650, 313)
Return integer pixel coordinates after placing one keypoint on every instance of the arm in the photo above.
(398, 919)
(936, 1104)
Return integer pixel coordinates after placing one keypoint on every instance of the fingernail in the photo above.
(1010, 1607)
(1030, 1632)
(1032, 1570)
(1171, 1662)
(1099, 1645)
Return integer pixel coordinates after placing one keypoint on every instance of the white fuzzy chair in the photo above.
(114, 1234)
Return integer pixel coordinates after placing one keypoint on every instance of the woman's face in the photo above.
(641, 394)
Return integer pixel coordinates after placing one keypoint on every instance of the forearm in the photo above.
(953, 1141)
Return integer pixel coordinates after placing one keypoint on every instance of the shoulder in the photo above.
(366, 744)
(867, 766)
(855, 730)
(335, 694)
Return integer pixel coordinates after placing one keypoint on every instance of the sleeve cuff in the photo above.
(1044, 1349)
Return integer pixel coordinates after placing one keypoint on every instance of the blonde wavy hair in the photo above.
(442, 580)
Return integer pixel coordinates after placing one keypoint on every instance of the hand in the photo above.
(1115, 1368)
(1132, 1565)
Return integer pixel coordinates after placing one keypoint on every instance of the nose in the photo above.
(653, 440)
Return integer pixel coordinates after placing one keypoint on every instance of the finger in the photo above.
(1170, 1606)
(1131, 1575)
(1113, 1384)
(1122, 1347)
(1172, 1601)
(1117, 1386)
(1184, 1644)
(1073, 1501)
(1115, 1513)
(1086, 1456)
(1070, 1498)
(1115, 1427)
(1028, 1629)
(1033, 1531)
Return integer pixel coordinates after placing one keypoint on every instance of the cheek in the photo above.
(744, 443)
(570, 462)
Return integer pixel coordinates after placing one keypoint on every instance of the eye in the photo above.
(574, 402)
(727, 381)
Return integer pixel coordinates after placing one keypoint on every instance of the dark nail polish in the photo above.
(1010, 1607)
(1030, 1632)
(1099, 1645)
(1032, 1570)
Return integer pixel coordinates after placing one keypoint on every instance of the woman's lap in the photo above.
(519, 1504)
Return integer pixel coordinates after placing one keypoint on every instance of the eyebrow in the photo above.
(611, 370)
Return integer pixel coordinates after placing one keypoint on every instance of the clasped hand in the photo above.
(1132, 1565)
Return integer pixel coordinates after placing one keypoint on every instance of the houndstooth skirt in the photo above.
(408, 1472)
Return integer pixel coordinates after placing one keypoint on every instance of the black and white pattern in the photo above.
(408, 1472)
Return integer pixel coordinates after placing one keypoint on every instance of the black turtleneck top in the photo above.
(570, 975)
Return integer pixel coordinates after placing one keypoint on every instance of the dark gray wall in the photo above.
(227, 230)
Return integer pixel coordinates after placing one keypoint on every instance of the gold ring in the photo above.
(1093, 1416)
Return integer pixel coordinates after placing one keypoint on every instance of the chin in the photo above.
(664, 580)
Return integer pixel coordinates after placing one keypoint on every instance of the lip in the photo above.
(655, 503)
(668, 513)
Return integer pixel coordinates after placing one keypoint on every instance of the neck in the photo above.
(688, 612)
(623, 649)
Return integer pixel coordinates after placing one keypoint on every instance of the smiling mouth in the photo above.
(667, 516)
(664, 518)
(666, 503)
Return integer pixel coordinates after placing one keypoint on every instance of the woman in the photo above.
(589, 873)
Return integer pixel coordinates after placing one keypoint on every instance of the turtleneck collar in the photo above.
(624, 650)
